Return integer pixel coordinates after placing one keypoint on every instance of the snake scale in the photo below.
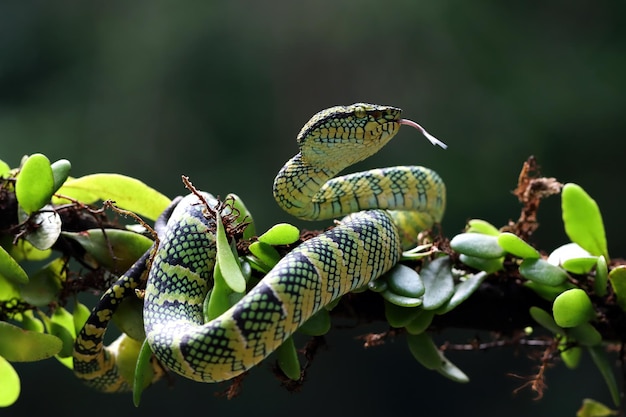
(384, 207)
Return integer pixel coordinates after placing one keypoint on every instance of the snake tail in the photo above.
(95, 364)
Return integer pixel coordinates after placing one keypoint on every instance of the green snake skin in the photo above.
(362, 247)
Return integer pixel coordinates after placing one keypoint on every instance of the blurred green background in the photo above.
(218, 91)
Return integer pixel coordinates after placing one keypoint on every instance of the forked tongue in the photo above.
(430, 137)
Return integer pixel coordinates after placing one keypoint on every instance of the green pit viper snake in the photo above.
(383, 206)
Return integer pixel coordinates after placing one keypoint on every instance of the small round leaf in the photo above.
(572, 308)
(60, 172)
(424, 350)
(482, 264)
(580, 265)
(34, 185)
(280, 234)
(287, 358)
(421, 322)
(401, 300)
(10, 383)
(265, 253)
(544, 318)
(404, 280)
(477, 244)
(462, 291)
(481, 226)
(439, 283)
(399, 316)
(516, 246)
(582, 220)
(542, 272)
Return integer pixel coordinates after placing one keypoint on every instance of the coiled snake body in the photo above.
(362, 247)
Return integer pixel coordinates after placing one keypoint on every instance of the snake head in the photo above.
(344, 135)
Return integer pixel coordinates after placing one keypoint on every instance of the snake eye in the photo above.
(360, 112)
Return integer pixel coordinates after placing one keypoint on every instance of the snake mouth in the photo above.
(428, 136)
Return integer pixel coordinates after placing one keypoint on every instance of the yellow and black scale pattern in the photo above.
(94, 363)
(362, 247)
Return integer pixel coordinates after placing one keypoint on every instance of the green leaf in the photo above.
(256, 264)
(34, 185)
(19, 345)
(617, 277)
(424, 350)
(80, 314)
(10, 383)
(128, 193)
(60, 172)
(399, 316)
(421, 322)
(570, 355)
(317, 325)
(580, 265)
(477, 244)
(266, 254)
(10, 269)
(8, 289)
(142, 372)
(45, 284)
(585, 334)
(573, 258)
(25, 251)
(218, 299)
(572, 308)
(288, 359)
(4, 168)
(128, 352)
(451, 371)
(546, 320)
(481, 226)
(583, 221)
(62, 326)
(516, 246)
(462, 291)
(280, 234)
(401, 300)
(439, 283)
(404, 281)
(599, 356)
(542, 272)
(482, 264)
(593, 408)
(565, 252)
(129, 318)
(228, 263)
(602, 277)
(548, 292)
(32, 323)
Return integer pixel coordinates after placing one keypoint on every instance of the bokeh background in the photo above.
(218, 90)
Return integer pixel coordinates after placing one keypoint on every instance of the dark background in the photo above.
(218, 91)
